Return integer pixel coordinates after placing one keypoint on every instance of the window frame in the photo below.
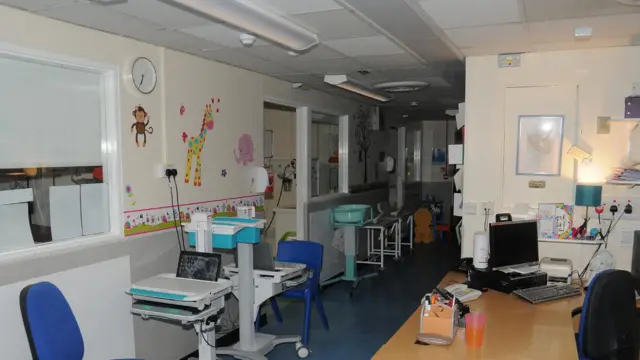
(343, 153)
(111, 145)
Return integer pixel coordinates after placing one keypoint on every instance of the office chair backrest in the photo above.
(51, 327)
(608, 322)
(302, 252)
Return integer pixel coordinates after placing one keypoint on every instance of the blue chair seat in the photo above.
(308, 253)
(609, 318)
(51, 327)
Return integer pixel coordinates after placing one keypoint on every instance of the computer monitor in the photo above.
(635, 259)
(513, 243)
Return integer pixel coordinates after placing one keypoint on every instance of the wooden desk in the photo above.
(515, 330)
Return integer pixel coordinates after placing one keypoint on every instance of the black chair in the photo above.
(609, 318)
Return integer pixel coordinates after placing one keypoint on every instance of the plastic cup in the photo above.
(474, 331)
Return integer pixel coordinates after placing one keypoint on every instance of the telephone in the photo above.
(463, 293)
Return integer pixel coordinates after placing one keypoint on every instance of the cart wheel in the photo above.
(301, 350)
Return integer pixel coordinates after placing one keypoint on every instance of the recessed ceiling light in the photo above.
(413, 103)
(404, 116)
(630, 2)
(402, 86)
(583, 32)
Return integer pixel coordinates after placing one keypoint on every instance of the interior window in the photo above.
(325, 154)
(52, 185)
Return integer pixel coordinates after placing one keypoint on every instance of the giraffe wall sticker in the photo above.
(196, 144)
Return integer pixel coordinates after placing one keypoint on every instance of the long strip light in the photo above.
(251, 18)
(349, 84)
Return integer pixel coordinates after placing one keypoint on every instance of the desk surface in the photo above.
(515, 330)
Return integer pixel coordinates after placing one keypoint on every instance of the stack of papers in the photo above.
(626, 174)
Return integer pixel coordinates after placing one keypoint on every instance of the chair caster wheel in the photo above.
(301, 350)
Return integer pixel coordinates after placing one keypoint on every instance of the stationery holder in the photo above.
(438, 323)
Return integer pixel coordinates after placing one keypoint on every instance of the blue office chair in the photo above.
(310, 254)
(51, 327)
(609, 318)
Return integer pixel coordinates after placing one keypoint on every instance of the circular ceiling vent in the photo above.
(402, 86)
(630, 2)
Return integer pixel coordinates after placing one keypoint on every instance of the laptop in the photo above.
(199, 265)
(263, 258)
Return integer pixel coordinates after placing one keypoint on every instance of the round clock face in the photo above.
(144, 76)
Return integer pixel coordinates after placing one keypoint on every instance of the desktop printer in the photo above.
(505, 282)
(558, 270)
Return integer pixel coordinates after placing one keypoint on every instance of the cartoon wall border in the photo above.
(144, 221)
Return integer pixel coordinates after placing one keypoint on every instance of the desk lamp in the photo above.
(587, 195)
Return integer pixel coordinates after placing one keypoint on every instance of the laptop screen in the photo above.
(199, 266)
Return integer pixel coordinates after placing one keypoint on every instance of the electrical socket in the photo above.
(161, 170)
(485, 205)
(621, 201)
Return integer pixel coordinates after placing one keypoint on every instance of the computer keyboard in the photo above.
(536, 295)
(287, 265)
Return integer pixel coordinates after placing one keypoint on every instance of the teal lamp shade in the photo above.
(588, 195)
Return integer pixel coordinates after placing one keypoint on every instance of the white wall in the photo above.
(591, 83)
(183, 80)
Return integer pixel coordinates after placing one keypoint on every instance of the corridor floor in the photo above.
(361, 324)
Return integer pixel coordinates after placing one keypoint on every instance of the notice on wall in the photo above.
(626, 237)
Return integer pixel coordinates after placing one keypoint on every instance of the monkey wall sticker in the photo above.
(141, 125)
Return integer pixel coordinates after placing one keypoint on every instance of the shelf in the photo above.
(632, 184)
(572, 241)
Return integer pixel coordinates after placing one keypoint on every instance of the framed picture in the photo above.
(539, 149)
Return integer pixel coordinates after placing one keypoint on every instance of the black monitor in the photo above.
(635, 259)
(513, 243)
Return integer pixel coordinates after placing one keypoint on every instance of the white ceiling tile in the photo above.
(278, 54)
(335, 24)
(161, 13)
(389, 61)
(177, 40)
(326, 66)
(293, 7)
(541, 10)
(591, 44)
(376, 45)
(301, 78)
(504, 36)
(449, 14)
(219, 34)
(615, 26)
(239, 59)
(101, 18)
(35, 5)
(378, 76)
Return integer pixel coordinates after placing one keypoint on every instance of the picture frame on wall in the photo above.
(539, 150)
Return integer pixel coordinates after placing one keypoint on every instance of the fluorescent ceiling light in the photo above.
(249, 17)
(347, 83)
